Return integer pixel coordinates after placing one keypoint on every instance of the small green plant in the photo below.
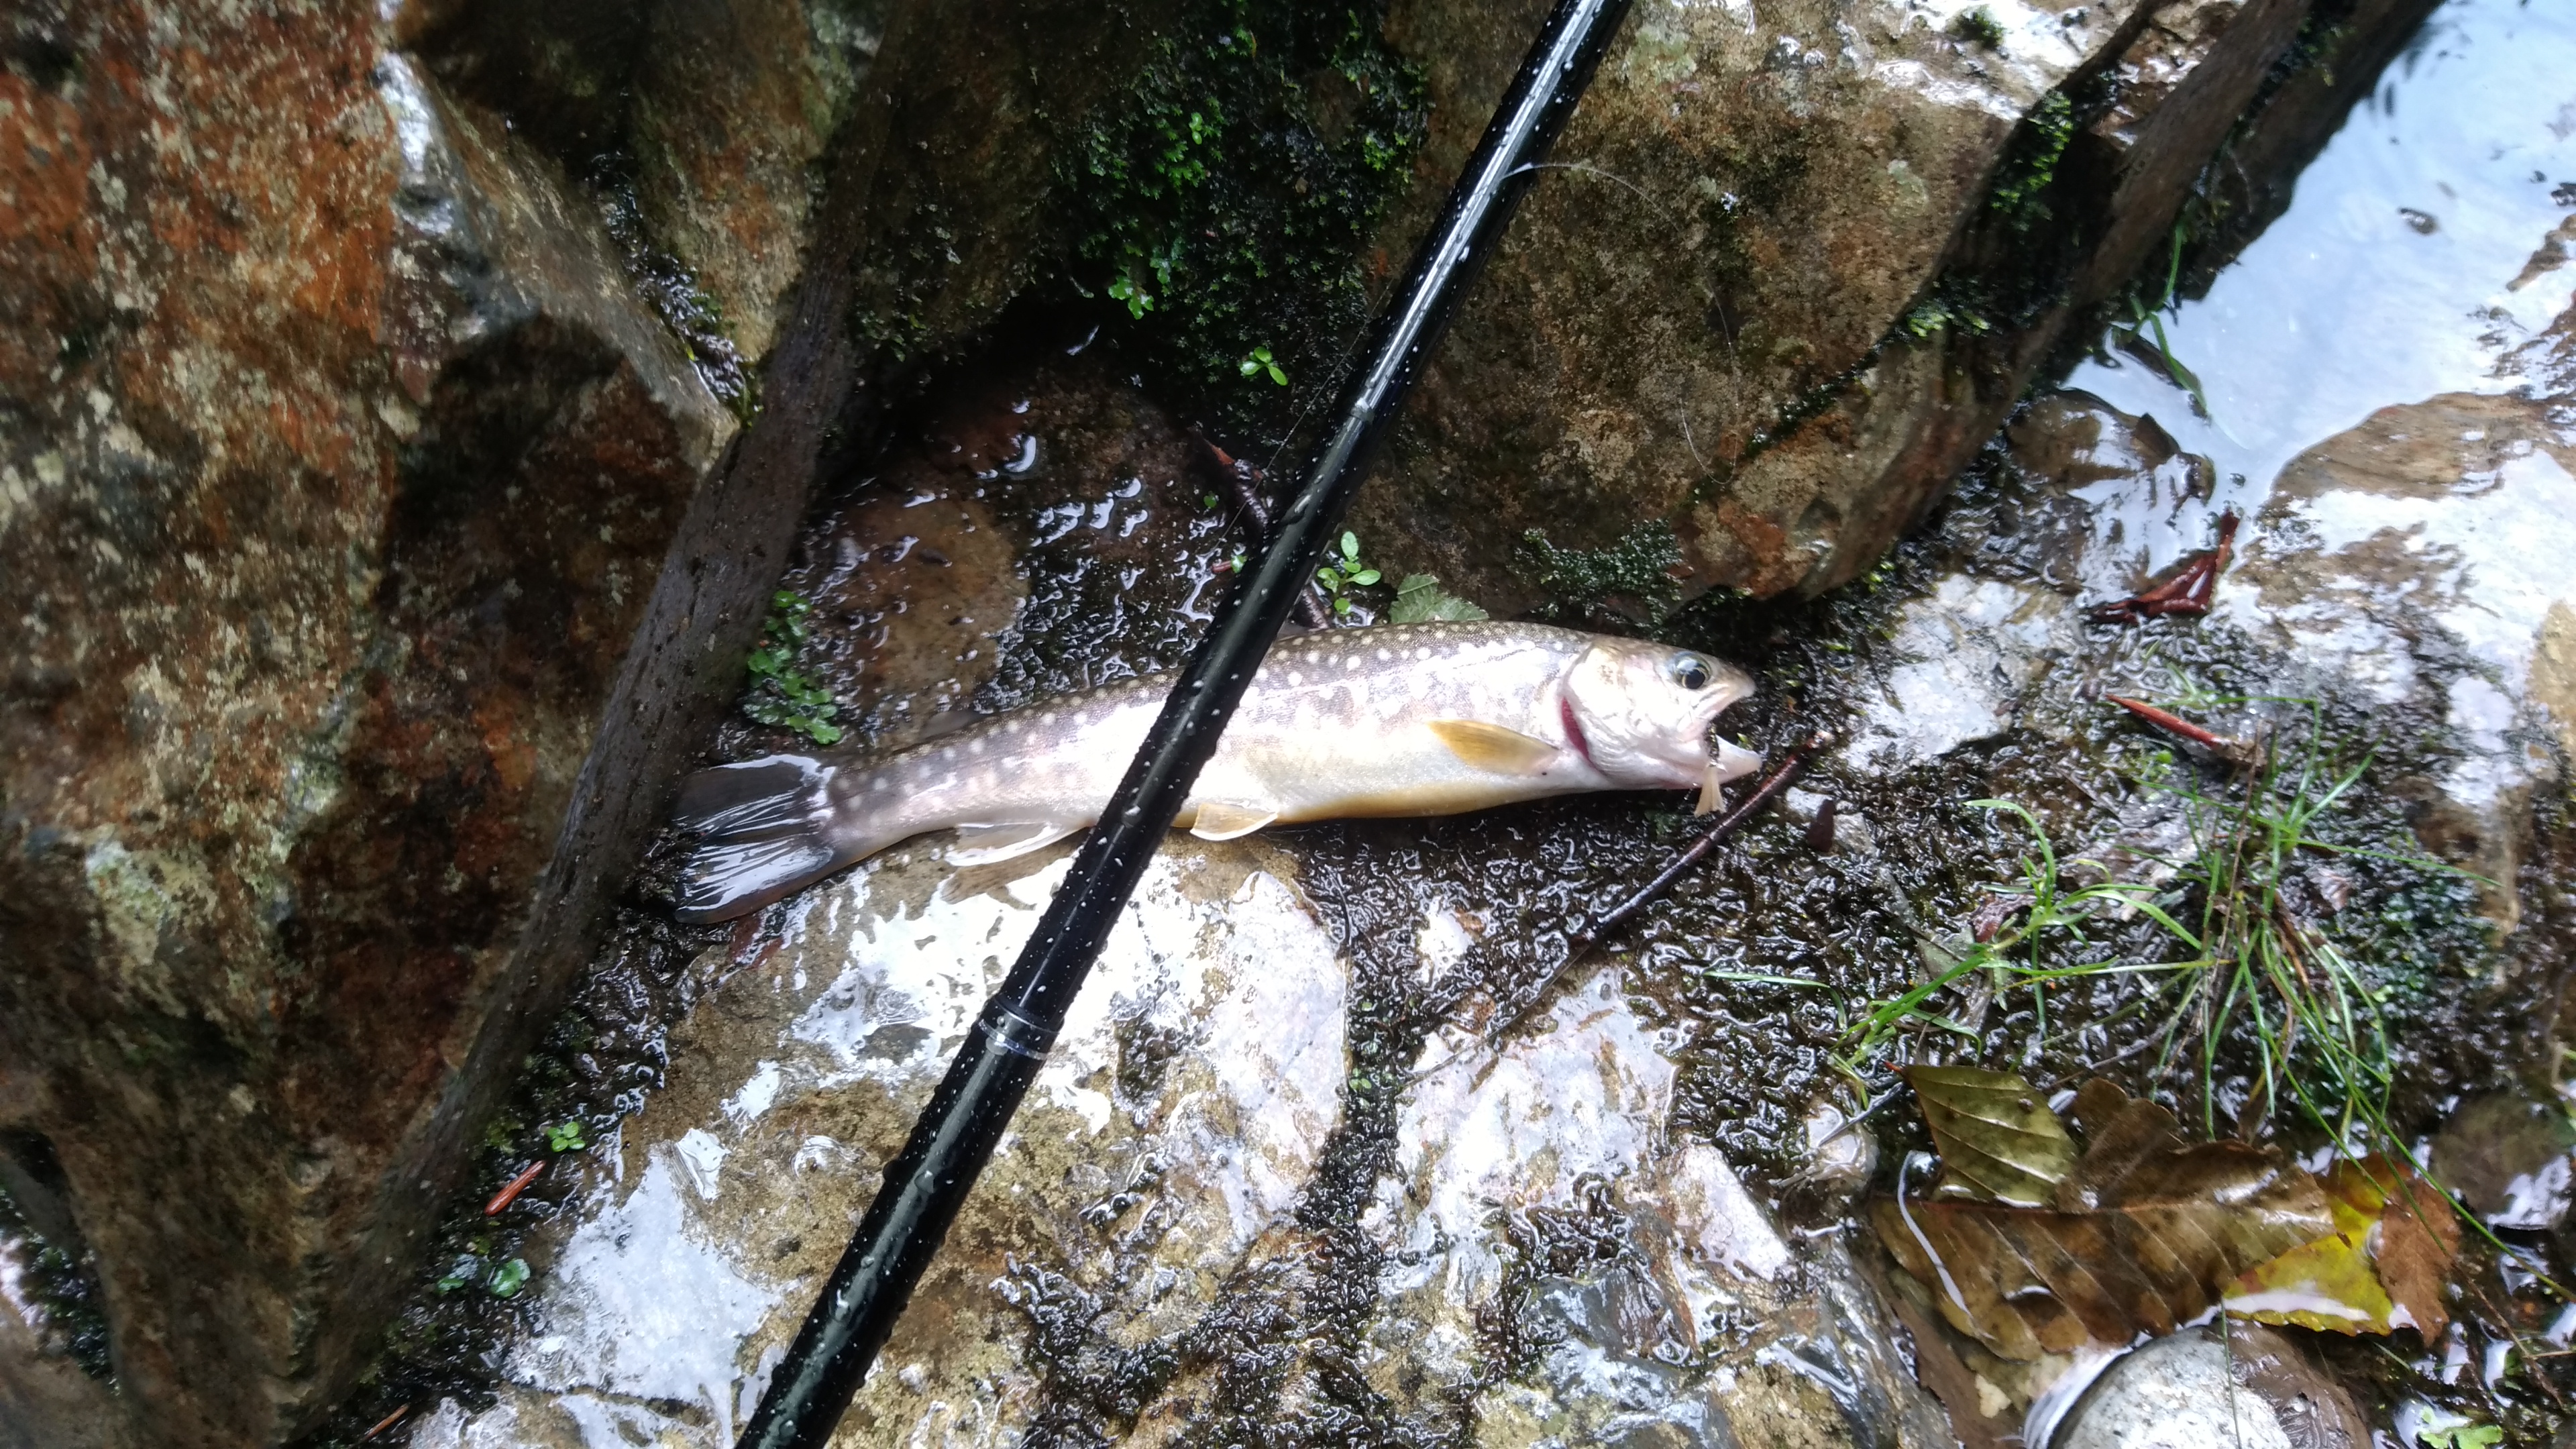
(1224, 194)
(509, 1278)
(780, 695)
(1125, 288)
(464, 1270)
(1259, 361)
(1981, 28)
(1344, 574)
(566, 1137)
(2030, 163)
(2147, 317)
(2322, 1041)
(2051, 918)
(1943, 312)
(1638, 568)
(2461, 1436)
(1421, 600)
(2251, 973)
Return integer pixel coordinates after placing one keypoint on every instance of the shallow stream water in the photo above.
(2405, 268)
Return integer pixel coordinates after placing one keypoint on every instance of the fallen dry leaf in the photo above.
(2028, 1281)
(1997, 1140)
(2418, 1240)
(2145, 1231)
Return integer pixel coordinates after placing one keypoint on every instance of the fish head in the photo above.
(1645, 709)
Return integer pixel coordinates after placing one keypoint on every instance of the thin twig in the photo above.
(1583, 940)
(510, 1191)
(2187, 592)
(2232, 751)
(1246, 482)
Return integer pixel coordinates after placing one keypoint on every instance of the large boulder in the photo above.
(386, 498)
(1794, 263)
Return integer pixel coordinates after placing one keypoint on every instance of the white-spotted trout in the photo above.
(1403, 719)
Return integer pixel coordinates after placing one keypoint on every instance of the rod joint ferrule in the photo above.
(1015, 1033)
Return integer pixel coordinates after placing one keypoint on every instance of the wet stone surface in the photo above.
(1279, 1183)
(1282, 1184)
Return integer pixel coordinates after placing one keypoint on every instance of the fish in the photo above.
(1389, 720)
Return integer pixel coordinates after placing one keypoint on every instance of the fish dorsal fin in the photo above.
(1492, 747)
(1222, 820)
(1009, 840)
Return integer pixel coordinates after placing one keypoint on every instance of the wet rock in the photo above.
(342, 462)
(1142, 1226)
(2509, 1156)
(2251, 1386)
(1157, 1162)
(382, 531)
(2414, 557)
(1765, 296)
(1842, 1155)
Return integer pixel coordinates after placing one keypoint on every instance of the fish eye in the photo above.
(1689, 671)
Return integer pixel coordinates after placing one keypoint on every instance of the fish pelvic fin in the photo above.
(989, 844)
(1223, 820)
(767, 825)
(1492, 747)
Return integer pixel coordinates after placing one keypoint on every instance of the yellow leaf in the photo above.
(2328, 1284)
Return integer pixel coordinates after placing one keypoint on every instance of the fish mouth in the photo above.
(1729, 762)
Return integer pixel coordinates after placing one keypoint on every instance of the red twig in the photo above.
(387, 1422)
(2234, 752)
(1246, 480)
(2171, 723)
(2187, 592)
(510, 1191)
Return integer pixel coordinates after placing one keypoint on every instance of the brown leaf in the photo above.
(2147, 1231)
(2179, 1225)
(2418, 1239)
(2382, 1268)
(1997, 1139)
(1961, 1391)
(2327, 1284)
(2119, 1133)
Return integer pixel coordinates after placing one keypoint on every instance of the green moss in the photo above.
(1217, 206)
(1950, 308)
(1633, 577)
(2030, 162)
(1980, 28)
(781, 695)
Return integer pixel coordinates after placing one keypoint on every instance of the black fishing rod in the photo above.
(955, 1137)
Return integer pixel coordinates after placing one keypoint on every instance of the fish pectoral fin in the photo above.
(1008, 840)
(1223, 820)
(1492, 747)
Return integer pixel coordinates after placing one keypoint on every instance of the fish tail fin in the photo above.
(768, 828)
